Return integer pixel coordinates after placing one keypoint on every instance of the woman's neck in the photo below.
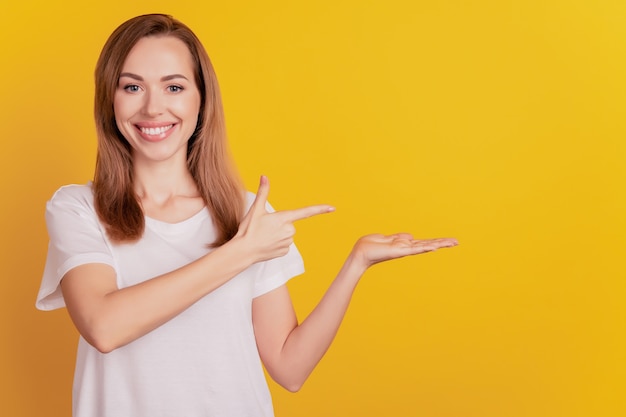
(166, 191)
(163, 180)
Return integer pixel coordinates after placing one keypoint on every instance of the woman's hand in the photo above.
(269, 235)
(375, 248)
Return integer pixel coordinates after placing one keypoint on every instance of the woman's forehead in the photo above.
(159, 56)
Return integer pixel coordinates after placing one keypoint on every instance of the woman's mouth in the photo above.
(155, 133)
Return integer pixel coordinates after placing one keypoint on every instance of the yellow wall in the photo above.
(499, 122)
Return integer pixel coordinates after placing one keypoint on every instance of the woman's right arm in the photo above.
(108, 317)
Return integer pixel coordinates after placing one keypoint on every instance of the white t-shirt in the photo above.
(204, 362)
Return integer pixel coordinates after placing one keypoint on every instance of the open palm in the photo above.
(375, 248)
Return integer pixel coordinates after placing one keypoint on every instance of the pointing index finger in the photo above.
(306, 212)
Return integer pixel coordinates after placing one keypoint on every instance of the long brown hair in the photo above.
(208, 158)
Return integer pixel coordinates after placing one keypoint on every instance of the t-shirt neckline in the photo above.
(178, 227)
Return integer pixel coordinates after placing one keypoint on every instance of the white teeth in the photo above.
(153, 131)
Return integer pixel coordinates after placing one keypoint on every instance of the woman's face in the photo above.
(157, 101)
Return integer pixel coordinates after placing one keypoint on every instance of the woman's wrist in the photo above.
(237, 249)
(355, 266)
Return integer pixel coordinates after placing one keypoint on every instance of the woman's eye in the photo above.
(175, 88)
(131, 88)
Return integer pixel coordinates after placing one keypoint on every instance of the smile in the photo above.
(155, 131)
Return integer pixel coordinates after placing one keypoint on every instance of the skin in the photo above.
(157, 91)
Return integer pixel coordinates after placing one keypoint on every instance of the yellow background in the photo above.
(498, 122)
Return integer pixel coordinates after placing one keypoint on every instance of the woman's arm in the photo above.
(290, 351)
(108, 317)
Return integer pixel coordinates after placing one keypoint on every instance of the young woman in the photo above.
(173, 275)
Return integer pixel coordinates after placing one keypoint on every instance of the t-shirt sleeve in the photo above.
(76, 238)
(276, 272)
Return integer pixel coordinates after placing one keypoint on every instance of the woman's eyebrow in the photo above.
(164, 78)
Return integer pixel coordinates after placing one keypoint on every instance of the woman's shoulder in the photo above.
(80, 194)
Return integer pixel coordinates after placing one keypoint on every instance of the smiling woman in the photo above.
(214, 179)
(173, 274)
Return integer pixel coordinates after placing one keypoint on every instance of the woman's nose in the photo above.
(153, 104)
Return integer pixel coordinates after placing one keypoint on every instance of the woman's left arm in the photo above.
(290, 351)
